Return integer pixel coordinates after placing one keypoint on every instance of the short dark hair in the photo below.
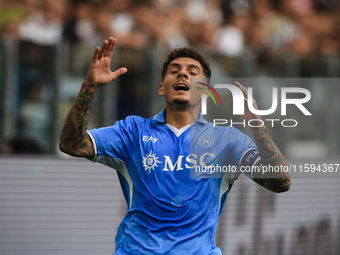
(187, 52)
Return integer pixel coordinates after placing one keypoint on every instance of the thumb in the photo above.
(119, 72)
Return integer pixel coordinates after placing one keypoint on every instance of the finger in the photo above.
(119, 72)
(95, 54)
(102, 49)
(245, 92)
(240, 86)
(111, 47)
(243, 89)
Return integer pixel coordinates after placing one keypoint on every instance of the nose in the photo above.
(182, 74)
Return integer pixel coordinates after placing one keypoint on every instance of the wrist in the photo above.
(92, 87)
(85, 97)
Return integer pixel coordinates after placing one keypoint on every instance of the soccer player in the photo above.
(173, 208)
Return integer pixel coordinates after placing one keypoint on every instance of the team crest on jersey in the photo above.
(206, 141)
(150, 161)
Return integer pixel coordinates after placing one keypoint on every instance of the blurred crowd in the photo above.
(228, 27)
(267, 32)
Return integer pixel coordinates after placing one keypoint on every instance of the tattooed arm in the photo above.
(74, 139)
(270, 154)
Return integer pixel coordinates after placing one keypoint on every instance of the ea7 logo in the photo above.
(149, 138)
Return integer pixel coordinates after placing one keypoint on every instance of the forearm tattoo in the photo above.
(270, 156)
(74, 139)
(84, 99)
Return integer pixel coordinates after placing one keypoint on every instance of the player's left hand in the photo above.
(248, 115)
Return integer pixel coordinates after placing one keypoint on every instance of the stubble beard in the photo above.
(181, 104)
(181, 101)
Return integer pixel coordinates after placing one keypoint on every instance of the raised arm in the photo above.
(74, 139)
(269, 153)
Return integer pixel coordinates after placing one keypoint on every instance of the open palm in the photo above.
(100, 73)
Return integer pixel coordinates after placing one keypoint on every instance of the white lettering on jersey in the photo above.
(149, 138)
(150, 161)
(190, 160)
(168, 161)
(202, 163)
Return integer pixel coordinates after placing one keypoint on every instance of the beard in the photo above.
(181, 101)
(181, 104)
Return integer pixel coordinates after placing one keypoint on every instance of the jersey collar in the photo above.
(160, 117)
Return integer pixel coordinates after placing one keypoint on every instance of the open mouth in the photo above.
(181, 86)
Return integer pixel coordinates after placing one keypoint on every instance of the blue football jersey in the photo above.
(174, 201)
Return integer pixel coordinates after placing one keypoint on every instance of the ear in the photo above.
(161, 89)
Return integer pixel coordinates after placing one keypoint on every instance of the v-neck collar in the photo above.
(160, 117)
(180, 131)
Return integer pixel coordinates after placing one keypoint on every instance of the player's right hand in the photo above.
(100, 73)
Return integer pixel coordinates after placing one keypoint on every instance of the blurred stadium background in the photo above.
(51, 204)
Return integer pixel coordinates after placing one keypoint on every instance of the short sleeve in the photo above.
(113, 141)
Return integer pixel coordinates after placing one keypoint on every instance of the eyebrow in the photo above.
(190, 66)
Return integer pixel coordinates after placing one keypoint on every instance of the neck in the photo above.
(179, 118)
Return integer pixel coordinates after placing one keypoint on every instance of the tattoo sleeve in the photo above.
(276, 181)
(74, 139)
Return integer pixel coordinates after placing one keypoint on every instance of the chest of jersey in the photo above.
(165, 151)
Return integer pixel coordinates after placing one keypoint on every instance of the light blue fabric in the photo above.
(169, 211)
